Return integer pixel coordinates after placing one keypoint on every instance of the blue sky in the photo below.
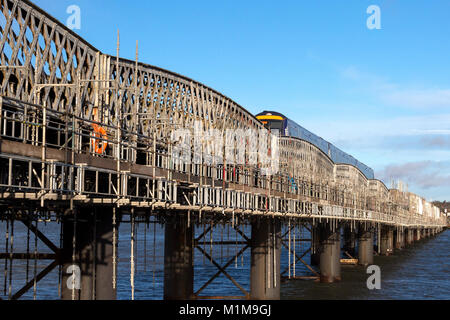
(381, 95)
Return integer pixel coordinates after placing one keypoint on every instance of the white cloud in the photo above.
(357, 129)
(426, 98)
(422, 174)
(395, 94)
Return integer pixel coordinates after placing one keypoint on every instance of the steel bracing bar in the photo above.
(35, 280)
(26, 256)
(56, 88)
(299, 258)
(41, 236)
(222, 270)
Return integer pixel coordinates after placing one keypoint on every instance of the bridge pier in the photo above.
(265, 259)
(178, 258)
(409, 238)
(349, 241)
(315, 245)
(386, 241)
(417, 238)
(399, 239)
(330, 254)
(365, 245)
(93, 263)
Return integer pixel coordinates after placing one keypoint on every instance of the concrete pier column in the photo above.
(90, 276)
(399, 239)
(265, 259)
(349, 241)
(330, 254)
(178, 258)
(409, 238)
(365, 245)
(315, 245)
(386, 241)
(417, 234)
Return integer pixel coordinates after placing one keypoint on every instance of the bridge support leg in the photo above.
(330, 254)
(350, 241)
(399, 239)
(178, 259)
(315, 245)
(365, 246)
(93, 265)
(409, 238)
(417, 234)
(265, 259)
(387, 241)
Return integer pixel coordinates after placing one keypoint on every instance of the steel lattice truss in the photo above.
(55, 87)
(52, 54)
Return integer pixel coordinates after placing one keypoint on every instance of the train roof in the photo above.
(265, 112)
(337, 155)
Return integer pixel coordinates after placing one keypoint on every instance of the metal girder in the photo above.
(221, 269)
(299, 258)
(41, 236)
(53, 80)
(31, 283)
(55, 257)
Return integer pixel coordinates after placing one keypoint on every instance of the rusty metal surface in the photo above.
(55, 86)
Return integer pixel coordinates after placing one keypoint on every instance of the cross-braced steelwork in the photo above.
(87, 138)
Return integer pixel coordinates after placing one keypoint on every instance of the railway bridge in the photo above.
(87, 141)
